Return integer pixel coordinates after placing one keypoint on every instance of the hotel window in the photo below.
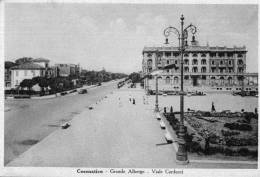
(149, 62)
(203, 69)
(203, 62)
(230, 62)
(176, 62)
(176, 54)
(230, 54)
(213, 62)
(186, 61)
(221, 54)
(194, 55)
(240, 62)
(168, 61)
(221, 62)
(168, 54)
(195, 69)
(186, 69)
(239, 55)
(17, 73)
(194, 62)
(213, 70)
(203, 55)
(186, 55)
(167, 80)
(213, 55)
(149, 55)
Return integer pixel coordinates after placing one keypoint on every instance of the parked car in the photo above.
(83, 91)
(63, 93)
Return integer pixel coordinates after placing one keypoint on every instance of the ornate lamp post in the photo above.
(156, 109)
(181, 155)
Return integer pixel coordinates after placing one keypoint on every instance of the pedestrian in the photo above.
(256, 111)
(171, 110)
(213, 107)
(133, 101)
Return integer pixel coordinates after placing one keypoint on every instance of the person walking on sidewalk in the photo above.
(213, 107)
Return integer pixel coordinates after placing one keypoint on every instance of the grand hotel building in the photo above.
(205, 68)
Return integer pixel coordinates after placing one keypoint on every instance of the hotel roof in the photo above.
(195, 48)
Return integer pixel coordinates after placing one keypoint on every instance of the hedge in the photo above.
(238, 126)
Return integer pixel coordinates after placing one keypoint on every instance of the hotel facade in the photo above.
(205, 68)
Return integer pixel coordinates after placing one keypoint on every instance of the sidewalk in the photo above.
(115, 133)
(53, 95)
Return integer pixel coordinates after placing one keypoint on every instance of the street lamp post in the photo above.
(181, 155)
(156, 109)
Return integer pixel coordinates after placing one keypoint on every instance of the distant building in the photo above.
(49, 72)
(8, 65)
(63, 70)
(66, 70)
(205, 67)
(42, 62)
(25, 71)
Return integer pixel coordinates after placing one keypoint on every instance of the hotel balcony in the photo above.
(213, 65)
(222, 65)
(240, 65)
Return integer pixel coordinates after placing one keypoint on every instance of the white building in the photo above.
(42, 62)
(25, 71)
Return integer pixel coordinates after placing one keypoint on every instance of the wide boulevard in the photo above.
(29, 121)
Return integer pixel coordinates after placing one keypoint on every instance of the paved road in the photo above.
(29, 121)
(115, 134)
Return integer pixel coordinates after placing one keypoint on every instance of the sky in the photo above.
(113, 35)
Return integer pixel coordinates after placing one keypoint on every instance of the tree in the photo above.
(43, 82)
(135, 77)
(9, 64)
(29, 83)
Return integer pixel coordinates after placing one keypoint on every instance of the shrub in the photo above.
(214, 150)
(243, 121)
(238, 126)
(254, 153)
(207, 114)
(195, 147)
(229, 133)
(243, 152)
(232, 141)
(228, 152)
(249, 115)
